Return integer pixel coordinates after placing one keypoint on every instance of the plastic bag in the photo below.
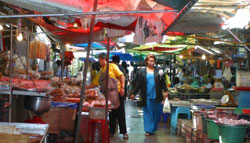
(166, 106)
(227, 74)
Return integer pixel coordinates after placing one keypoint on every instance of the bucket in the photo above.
(246, 117)
(204, 125)
(232, 134)
(212, 129)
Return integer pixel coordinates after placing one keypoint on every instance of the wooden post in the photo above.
(107, 83)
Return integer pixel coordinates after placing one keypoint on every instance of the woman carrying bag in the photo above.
(150, 83)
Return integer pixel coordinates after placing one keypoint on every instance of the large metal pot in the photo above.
(37, 104)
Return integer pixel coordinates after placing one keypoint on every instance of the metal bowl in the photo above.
(38, 105)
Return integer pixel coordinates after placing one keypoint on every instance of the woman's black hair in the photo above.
(58, 62)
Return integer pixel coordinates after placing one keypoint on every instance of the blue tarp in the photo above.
(94, 45)
(123, 56)
(63, 104)
(90, 59)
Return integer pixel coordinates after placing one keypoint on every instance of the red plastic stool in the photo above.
(104, 133)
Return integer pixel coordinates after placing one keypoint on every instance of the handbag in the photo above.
(111, 88)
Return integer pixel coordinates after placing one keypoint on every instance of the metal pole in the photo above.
(27, 55)
(170, 64)
(87, 13)
(107, 83)
(10, 72)
(63, 59)
(174, 69)
(92, 24)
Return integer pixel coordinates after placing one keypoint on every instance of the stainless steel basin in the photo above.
(38, 105)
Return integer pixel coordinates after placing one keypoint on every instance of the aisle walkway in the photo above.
(134, 117)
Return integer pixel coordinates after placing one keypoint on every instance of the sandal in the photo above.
(125, 136)
(147, 134)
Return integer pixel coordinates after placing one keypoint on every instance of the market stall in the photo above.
(66, 96)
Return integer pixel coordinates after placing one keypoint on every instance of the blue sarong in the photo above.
(152, 111)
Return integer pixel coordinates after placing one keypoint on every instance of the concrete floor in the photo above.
(134, 119)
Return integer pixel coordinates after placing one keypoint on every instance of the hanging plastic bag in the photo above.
(227, 74)
(166, 106)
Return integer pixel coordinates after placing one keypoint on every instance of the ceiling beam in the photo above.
(43, 6)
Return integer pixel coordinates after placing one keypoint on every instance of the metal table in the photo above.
(24, 93)
(33, 130)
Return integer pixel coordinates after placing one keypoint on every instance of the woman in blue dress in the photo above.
(151, 85)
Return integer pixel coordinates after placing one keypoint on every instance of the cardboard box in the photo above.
(13, 138)
(60, 119)
(67, 118)
(52, 118)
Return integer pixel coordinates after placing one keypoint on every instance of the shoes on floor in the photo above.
(111, 135)
(125, 136)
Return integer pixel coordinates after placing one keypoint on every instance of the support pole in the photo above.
(92, 24)
(174, 69)
(63, 59)
(107, 83)
(27, 55)
(170, 66)
(10, 73)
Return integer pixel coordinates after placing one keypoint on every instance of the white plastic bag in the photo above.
(166, 106)
(227, 74)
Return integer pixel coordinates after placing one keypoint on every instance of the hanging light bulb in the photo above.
(67, 45)
(20, 37)
(1, 27)
(181, 56)
(203, 57)
(75, 25)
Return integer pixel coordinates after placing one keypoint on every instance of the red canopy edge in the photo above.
(72, 36)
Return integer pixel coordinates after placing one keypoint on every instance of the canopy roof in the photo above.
(162, 48)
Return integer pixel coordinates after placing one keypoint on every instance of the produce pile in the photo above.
(228, 121)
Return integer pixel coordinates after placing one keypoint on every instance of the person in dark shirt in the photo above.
(119, 113)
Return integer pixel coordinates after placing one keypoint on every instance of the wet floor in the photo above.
(134, 119)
